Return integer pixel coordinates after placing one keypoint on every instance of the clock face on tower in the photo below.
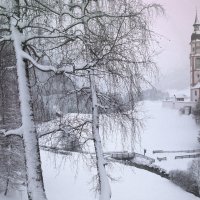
(197, 63)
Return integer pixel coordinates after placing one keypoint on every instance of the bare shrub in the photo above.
(185, 180)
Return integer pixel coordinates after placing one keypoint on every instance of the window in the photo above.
(195, 93)
(197, 63)
(198, 50)
(192, 63)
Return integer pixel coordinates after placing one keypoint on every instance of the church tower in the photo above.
(195, 62)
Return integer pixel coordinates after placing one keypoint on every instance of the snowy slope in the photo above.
(61, 183)
(165, 130)
(133, 183)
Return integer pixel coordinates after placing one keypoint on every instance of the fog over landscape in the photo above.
(175, 29)
(96, 101)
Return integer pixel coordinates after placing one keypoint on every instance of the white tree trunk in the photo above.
(105, 191)
(35, 186)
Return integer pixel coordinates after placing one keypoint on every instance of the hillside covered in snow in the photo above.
(71, 177)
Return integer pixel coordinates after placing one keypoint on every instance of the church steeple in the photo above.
(195, 62)
(196, 23)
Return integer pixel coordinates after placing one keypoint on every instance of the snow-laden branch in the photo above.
(36, 64)
(69, 69)
(5, 38)
(47, 36)
(18, 132)
(56, 126)
(2, 7)
(101, 106)
(4, 27)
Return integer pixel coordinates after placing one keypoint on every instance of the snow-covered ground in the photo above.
(165, 130)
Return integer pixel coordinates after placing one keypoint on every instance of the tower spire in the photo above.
(196, 18)
(196, 23)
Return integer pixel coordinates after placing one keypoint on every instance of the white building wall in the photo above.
(178, 104)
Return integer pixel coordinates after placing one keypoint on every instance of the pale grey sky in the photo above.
(176, 27)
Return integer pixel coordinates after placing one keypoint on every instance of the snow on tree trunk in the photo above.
(105, 191)
(35, 186)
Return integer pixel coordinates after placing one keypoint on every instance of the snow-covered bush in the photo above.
(196, 112)
(185, 180)
(194, 170)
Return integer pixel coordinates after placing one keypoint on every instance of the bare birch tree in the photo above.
(20, 21)
(117, 45)
(109, 43)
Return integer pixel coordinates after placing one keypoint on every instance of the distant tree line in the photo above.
(153, 94)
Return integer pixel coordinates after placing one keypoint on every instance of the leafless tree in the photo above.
(85, 39)
(117, 54)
